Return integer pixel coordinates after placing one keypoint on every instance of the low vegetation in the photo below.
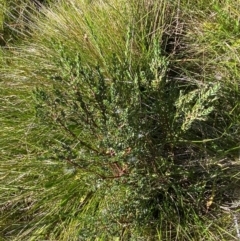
(120, 120)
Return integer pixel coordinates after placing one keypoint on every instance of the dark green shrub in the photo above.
(123, 119)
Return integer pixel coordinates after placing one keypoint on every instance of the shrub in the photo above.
(134, 127)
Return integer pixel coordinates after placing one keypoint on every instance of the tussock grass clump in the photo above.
(119, 128)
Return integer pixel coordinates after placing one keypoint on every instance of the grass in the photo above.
(112, 121)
